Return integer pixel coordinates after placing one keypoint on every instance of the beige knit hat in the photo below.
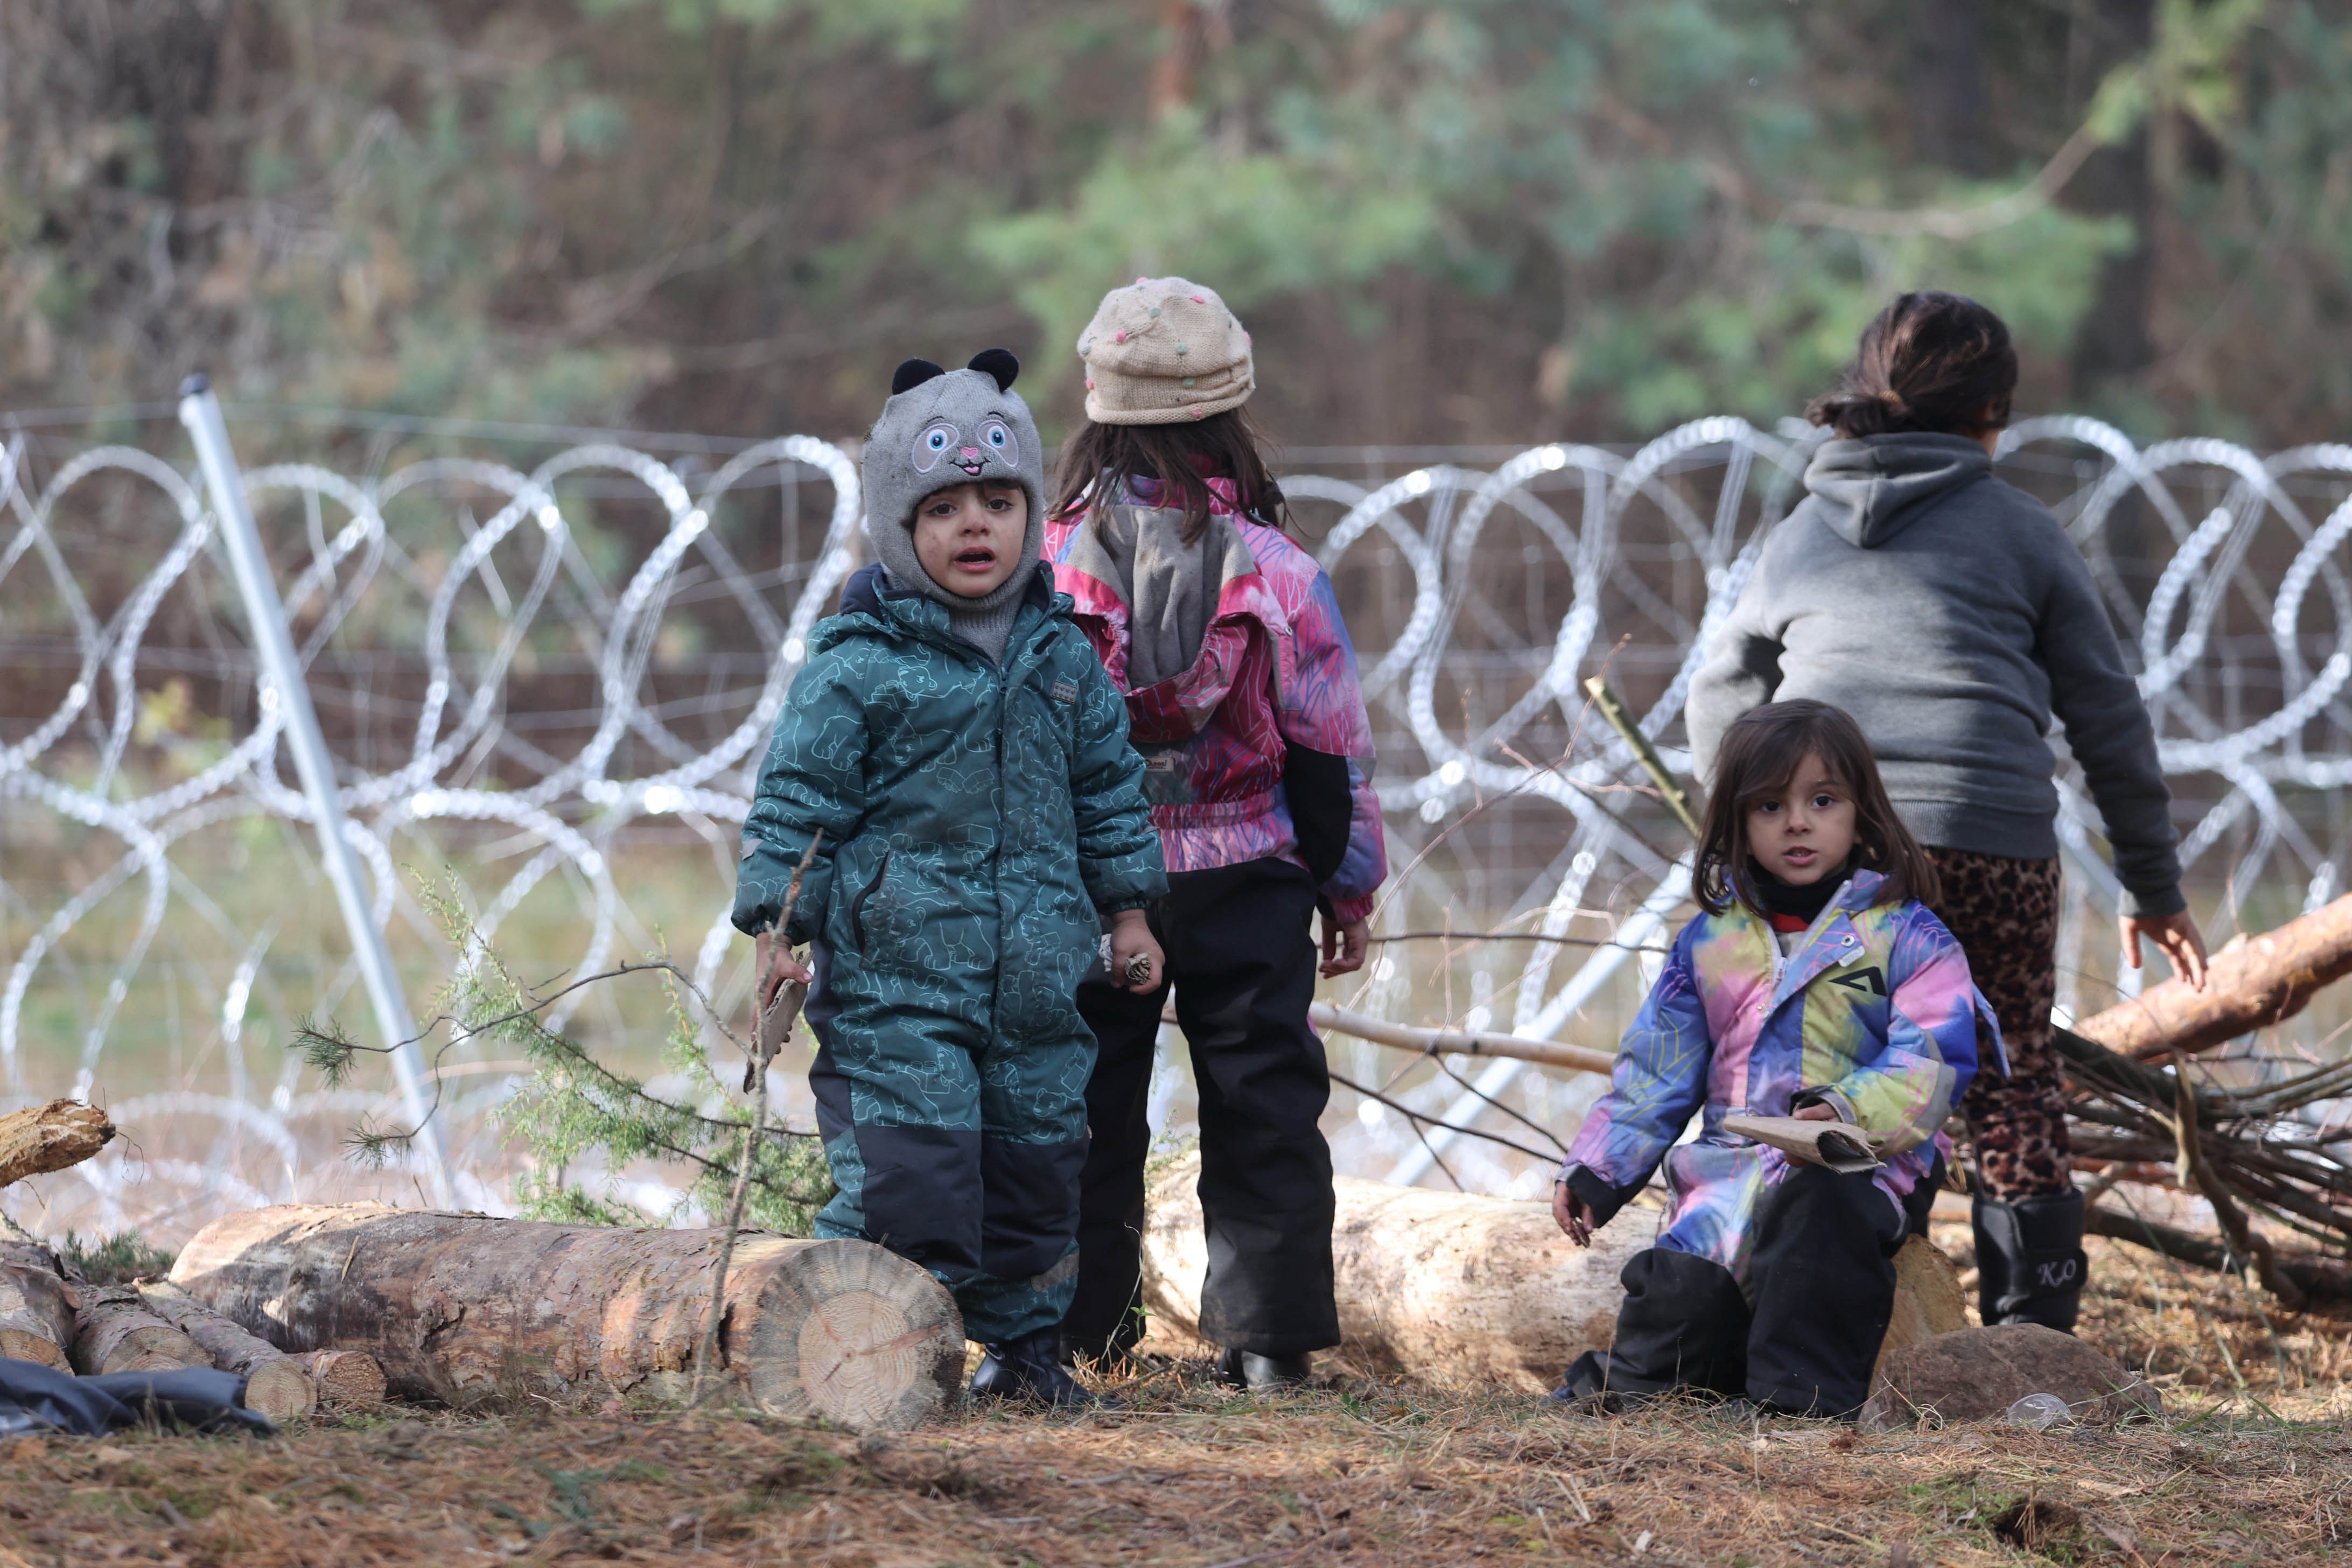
(1162, 350)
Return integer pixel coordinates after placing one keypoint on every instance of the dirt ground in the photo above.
(1364, 1470)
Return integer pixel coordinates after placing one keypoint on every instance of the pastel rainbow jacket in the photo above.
(1873, 1013)
(1275, 669)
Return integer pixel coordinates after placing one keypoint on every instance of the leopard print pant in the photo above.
(2005, 914)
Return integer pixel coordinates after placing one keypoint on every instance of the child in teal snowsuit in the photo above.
(956, 740)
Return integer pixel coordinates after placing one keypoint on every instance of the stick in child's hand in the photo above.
(784, 1000)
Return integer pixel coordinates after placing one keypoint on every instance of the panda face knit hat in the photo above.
(944, 427)
(1163, 351)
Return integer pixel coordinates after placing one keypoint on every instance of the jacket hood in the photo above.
(1870, 490)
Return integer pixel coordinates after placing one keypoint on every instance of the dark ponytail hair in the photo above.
(1178, 458)
(1760, 753)
(1938, 363)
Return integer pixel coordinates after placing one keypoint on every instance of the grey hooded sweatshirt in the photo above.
(1951, 616)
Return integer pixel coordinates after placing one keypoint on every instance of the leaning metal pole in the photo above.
(273, 645)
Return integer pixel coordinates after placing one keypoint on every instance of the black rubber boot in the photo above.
(1247, 1369)
(2029, 1260)
(1030, 1371)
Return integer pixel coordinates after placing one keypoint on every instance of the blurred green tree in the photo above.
(1447, 219)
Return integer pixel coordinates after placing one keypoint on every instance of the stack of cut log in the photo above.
(342, 1306)
(476, 1312)
(50, 1316)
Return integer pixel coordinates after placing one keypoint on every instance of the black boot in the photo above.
(1247, 1369)
(2029, 1260)
(1029, 1369)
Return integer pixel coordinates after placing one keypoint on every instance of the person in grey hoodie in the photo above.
(1951, 616)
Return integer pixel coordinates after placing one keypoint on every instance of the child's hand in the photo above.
(775, 969)
(1574, 1214)
(1816, 1112)
(2176, 937)
(1344, 946)
(1130, 940)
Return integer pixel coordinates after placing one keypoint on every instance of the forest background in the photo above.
(1447, 221)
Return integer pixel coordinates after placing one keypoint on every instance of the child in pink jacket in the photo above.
(1243, 696)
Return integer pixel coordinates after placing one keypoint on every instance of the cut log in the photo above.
(113, 1330)
(2249, 985)
(477, 1312)
(1458, 1288)
(37, 1305)
(49, 1138)
(273, 1384)
(346, 1380)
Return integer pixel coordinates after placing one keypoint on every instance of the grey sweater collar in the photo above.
(1871, 489)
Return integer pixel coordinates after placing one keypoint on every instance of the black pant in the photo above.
(1242, 963)
(1823, 1277)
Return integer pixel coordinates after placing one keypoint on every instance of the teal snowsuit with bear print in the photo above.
(977, 822)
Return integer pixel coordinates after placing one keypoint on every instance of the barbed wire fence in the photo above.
(548, 668)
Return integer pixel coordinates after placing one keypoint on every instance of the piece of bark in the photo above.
(1928, 1300)
(273, 1384)
(1458, 1288)
(114, 1329)
(1842, 1148)
(51, 1137)
(346, 1380)
(474, 1310)
(2249, 985)
(36, 1304)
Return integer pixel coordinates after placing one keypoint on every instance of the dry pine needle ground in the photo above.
(1363, 1471)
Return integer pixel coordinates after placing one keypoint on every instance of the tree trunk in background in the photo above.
(114, 1332)
(2114, 339)
(273, 1384)
(1953, 98)
(37, 1314)
(480, 1312)
(1459, 1289)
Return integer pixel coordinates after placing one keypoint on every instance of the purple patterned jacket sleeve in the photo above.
(1659, 1082)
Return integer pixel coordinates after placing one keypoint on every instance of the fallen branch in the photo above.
(1460, 1042)
(51, 1137)
(2195, 1167)
(2320, 1279)
(755, 1070)
(2250, 984)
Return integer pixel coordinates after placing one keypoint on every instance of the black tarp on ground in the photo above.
(37, 1398)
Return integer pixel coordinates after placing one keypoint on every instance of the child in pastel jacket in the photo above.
(1814, 984)
(957, 742)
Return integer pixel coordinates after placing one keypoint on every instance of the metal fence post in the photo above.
(273, 645)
